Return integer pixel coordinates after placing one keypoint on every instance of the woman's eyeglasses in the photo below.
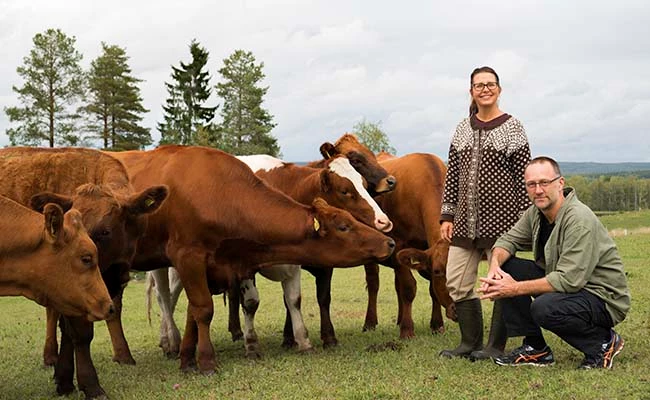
(531, 185)
(480, 86)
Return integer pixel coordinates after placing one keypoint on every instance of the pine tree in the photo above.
(115, 105)
(184, 111)
(246, 125)
(53, 83)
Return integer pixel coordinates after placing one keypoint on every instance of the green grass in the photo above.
(627, 220)
(405, 369)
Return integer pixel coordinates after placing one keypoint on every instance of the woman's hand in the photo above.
(446, 230)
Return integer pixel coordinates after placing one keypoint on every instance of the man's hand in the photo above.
(447, 230)
(498, 284)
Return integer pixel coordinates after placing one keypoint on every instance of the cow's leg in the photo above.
(175, 289)
(50, 351)
(191, 264)
(81, 332)
(189, 343)
(442, 295)
(250, 302)
(324, 296)
(436, 324)
(121, 351)
(87, 378)
(234, 324)
(406, 288)
(169, 335)
(288, 341)
(64, 366)
(372, 283)
(292, 302)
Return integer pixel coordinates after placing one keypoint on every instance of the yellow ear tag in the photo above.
(149, 202)
(316, 225)
(414, 261)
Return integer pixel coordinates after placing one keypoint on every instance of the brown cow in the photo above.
(114, 215)
(339, 184)
(414, 209)
(52, 263)
(220, 218)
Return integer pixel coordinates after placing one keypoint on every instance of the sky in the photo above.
(575, 73)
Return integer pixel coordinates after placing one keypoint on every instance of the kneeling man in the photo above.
(575, 287)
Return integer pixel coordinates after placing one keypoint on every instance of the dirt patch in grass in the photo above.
(625, 232)
(391, 345)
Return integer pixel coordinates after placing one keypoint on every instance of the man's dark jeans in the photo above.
(579, 319)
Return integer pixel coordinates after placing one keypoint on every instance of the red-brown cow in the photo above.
(339, 184)
(98, 186)
(220, 218)
(414, 208)
(50, 259)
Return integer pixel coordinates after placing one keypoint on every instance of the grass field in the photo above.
(370, 365)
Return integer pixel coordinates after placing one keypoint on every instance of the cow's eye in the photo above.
(343, 228)
(87, 260)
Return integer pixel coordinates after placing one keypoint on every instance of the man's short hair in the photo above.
(545, 159)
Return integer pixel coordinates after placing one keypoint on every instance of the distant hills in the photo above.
(594, 168)
(641, 169)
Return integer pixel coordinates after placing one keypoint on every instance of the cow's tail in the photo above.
(150, 282)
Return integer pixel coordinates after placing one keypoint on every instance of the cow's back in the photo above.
(414, 204)
(218, 193)
(26, 171)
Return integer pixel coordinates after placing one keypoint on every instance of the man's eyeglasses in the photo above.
(480, 86)
(531, 185)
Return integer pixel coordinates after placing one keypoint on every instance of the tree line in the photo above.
(612, 192)
(63, 105)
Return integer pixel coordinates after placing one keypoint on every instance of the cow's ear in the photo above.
(413, 258)
(327, 150)
(53, 222)
(38, 201)
(325, 181)
(147, 201)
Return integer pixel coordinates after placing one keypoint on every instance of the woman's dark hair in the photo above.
(473, 108)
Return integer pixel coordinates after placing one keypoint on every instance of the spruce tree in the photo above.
(53, 83)
(184, 110)
(115, 106)
(246, 125)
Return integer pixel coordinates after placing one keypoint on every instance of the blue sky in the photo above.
(576, 73)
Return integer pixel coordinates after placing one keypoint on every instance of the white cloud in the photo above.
(575, 73)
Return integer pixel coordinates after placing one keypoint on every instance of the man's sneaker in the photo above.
(527, 355)
(605, 359)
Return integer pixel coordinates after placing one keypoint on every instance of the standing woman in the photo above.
(483, 198)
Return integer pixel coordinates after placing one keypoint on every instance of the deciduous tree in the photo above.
(371, 134)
